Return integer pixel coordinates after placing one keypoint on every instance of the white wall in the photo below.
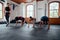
(3, 19)
(32, 3)
(15, 12)
(39, 9)
(41, 6)
(20, 9)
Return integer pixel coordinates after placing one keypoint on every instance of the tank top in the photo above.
(7, 8)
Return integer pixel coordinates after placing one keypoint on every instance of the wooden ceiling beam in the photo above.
(21, 1)
(18, 1)
(39, 0)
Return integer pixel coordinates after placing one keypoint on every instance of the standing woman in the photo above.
(7, 13)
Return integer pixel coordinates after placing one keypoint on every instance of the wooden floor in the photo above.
(16, 32)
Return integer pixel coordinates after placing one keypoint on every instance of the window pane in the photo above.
(30, 10)
(0, 10)
(30, 7)
(0, 14)
(54, 10)
(51, 13)
(54, 5)
(0, 6)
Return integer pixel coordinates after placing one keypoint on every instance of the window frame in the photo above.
(33, 10)
(49, 8)
(2, 10)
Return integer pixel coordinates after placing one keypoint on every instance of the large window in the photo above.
(53, 9)
(30, 10)
(0, 10)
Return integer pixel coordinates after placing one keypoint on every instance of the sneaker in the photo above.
(7, 24)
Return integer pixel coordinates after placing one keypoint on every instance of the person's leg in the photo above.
(28, 25)
(41, 24)
(7, 19)
(16, 22)
(33, 23)
(48, 25)
(16, 19)
(22, 23)
(23, 20)
(28, 21)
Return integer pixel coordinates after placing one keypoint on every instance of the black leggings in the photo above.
(7, 18)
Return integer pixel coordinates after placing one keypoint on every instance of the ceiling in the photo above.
(20, 1)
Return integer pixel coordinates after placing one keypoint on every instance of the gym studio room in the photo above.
(29, 19)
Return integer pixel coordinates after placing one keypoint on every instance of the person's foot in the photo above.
(6, 25)
(33, 27)
(21, 25)
(28, 26)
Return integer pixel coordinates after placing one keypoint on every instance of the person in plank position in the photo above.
(20, 18)
(45, 20)
(32, 20)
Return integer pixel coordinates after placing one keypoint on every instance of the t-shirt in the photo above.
(44, 18)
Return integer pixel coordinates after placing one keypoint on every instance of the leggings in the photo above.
(7, 18)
